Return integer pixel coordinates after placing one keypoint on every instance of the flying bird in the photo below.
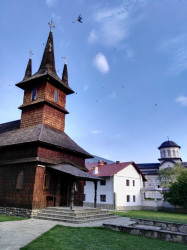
(79, 19)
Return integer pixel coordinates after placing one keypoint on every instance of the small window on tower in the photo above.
(56, 96)
(34, 94)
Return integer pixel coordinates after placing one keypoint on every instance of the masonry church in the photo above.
(40, 165)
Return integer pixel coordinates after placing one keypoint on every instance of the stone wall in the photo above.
(21, 212)
(105, 206)
(151, 233)
(168, 226)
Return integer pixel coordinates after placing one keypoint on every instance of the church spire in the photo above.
(65, 73)
(48, 60)
(28, 71)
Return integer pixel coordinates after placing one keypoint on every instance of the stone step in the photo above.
(62, 216)
(74, 210)
(68, 213)
(76, 221)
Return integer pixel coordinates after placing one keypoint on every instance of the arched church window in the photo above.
(19, 183)
(34, 94)
(169, 153)
(164, 153)
(174, 153)
(56, 96)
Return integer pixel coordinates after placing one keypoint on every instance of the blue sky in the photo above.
(127, 63)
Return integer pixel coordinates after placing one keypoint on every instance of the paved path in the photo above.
(16, 234)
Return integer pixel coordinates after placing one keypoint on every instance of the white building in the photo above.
(120, 188)
(169, 156)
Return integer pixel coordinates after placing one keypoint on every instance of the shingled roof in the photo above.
(43, 134)
(46, 70)
(8, 126)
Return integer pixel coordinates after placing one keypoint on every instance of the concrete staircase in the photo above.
(76, 215)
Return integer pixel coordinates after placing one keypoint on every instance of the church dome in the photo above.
(168, 144)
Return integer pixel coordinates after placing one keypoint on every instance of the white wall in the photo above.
(101, 190)
(121, 190)
(152, 181)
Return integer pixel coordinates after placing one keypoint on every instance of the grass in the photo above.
(83, 238)
(10, 218)
(154, 215)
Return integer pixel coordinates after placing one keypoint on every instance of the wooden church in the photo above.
(40, 165)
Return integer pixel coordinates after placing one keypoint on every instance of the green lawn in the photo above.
(84, 238)
(10, 218)
(153, 215)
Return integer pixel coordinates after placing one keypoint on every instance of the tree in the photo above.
(177, 194)
(169, 175)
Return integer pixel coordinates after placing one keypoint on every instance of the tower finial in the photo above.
(31, 54)
(52, 26)
(168, 138)
(65, 59)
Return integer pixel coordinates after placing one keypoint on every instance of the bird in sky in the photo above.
(79, 19)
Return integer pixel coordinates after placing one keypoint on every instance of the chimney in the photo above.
(117, 162)
(95, 170)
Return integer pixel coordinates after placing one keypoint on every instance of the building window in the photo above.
(34, 94)
(169, 153)
(56, 96)
(103, 183)
(164, 153)
(134, 198)
(174, 153)
(103, 198)
(127, 182)
(133, 183)
(46, 181)
(84, 198)
(128, 198)
(19, 183)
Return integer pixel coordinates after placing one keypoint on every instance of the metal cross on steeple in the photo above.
(168, 138)
(65, 58)
(51, 24)
(30, 52)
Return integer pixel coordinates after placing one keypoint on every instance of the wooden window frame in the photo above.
(19, 183)
(46, 181)
(102, 197)
(134, 198)
(103, 183)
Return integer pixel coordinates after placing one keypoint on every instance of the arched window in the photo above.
(34, 94)
(174, 153)
(56, 96)
(163, 153)
(19, 183)
(169, 153)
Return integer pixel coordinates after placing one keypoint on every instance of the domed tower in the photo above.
(169, 151)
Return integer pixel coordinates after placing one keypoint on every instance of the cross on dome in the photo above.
(52, 26)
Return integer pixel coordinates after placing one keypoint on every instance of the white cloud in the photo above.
(112, 95)
(176, 48)
(92, 36)
(113, 23)
(101, 63)
(96, 132)
(182, 100)
(86, 87)
(50, 3)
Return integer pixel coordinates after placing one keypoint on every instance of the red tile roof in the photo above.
(107, 170)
